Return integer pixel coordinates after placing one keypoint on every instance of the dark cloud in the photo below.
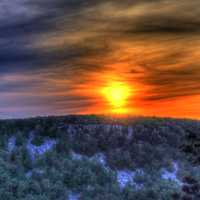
(19, 33)
(166, 24)
(173, 83)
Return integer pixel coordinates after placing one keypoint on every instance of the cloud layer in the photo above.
(54, 53)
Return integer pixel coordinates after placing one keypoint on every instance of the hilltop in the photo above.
(94, 158)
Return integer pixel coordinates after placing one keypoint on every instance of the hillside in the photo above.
(95, 158)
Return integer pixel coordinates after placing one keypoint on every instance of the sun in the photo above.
(117, 94)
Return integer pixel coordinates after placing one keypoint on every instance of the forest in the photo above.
(99, 158)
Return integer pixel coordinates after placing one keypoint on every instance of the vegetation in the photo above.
(145, 146)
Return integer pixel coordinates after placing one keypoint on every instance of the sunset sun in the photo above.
(117, 95)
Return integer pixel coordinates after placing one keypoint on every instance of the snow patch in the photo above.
(76, 156)
(40, 150)
(125, 177)
(73, 196)
(130, 133)
(100, 158)
(171, 176)
(11, 143)
(29, 174)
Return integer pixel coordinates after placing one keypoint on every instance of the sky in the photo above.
(57, 56)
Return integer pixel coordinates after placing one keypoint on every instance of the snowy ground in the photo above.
(124, 177)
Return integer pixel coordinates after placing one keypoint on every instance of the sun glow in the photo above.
(117, 95)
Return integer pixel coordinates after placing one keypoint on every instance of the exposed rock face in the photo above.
(121, 130)
(73, 128)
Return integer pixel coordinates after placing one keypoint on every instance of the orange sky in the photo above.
(161, 85)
